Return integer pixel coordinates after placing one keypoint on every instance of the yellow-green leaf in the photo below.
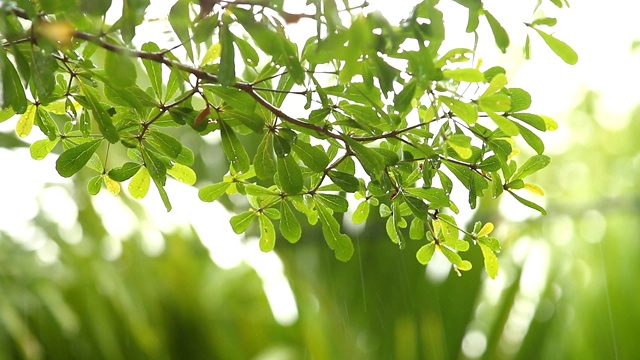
(183, 173)
(425, 253)
(25, 123)
(486, 230)
(211, 192)
(497, 83)
(490, 261)
(267, 234)
(41, 148)
(112, 185)
(139, 184)
(564, 51)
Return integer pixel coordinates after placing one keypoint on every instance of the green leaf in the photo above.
(490, 261)
(532, 139)
(13, 92)
(465, 111)
(416, 229)
(73, 159)
(120, 70)
(528, 203)
(154, 69)
(240, 223)
(334, 202)
(425, 253)
(417, 207)
(182, 173)
(163, 194)
(461, 144)
(41, 148)
(233, 149)
(46, 124)
(533, 164)
(402, 101)
(495, 102)
(497, 82)
(289, 175)
(452, 256)
(317, 116)
(257, 190)
(314, 157)
(94, 185)
(6, 114)
(520, 99)
(26, 121)
(491, 242)
(211, 192)
(534, 120)
(125, 172)
(132, 15)
(180, 22)
(564, 51)
(249, 54)
(100, 115)
(499, 33)
(165, 143)
(507, 126)
(338, 242)
(44, 67)
(253, 121)
(548, 21)
(267, 234)
(372, 162)
(361, 213)
(139, 184)
(227, 73)
(212, 54)
(238, 99)
(345, 181)
(437, 198)
(289, 225)
(157, 169)
(468, 75)
(263, 162)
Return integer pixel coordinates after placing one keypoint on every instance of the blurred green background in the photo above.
(84, 283)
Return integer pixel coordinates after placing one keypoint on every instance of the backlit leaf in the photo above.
(211, 192)
(139, 184)
(26, 121)
(490, 261)
(41, 148)
(425, 253)
(267, 234)
(564, 51)
(182, 173)
(533, 164)
(240, 223)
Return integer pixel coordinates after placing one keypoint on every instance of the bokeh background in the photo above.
(109, 277)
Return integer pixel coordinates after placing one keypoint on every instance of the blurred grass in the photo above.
(579, 302)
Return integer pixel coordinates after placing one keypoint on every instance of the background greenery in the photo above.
(566, 290)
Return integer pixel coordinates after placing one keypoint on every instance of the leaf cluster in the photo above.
(398, 127)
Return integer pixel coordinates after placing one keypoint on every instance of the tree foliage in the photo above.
(365, 107)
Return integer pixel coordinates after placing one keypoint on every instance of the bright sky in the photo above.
(600, 33)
